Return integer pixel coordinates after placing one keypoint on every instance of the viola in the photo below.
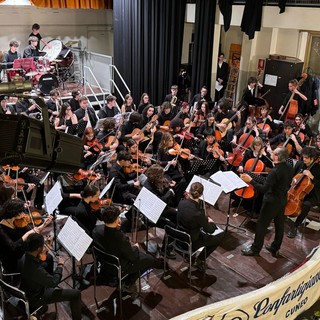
(46, 248)
(184, 134)
(95, 145)
(141, 155)
(100, 203)
(85, 174)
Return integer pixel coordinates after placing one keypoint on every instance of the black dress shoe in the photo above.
(275, 253)
(292, 232)
(249, 252)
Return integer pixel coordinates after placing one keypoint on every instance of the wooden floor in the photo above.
(229, 273)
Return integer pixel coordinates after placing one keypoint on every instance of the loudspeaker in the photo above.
(23, 143)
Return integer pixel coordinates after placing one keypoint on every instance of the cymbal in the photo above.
(31, 73)
(70, 43)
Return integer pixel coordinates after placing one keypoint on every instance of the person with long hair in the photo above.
(128, 104)
(65, 119)
(144, 102)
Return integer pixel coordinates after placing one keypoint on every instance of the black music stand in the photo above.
(202, 166)
(81, 127)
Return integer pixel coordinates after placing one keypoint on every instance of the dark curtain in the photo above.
(282, 5)
(225, 7)
(203, 44)
(251, 19)
(148, 39)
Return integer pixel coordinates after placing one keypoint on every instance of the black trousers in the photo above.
(269, 211)
(308, 202)
(52, 295)
(208, 241)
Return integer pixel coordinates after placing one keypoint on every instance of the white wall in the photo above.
(92, 27)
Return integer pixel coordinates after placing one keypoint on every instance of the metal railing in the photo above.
(114, 68)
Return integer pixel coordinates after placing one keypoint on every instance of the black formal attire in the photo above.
(275, 191)
(176, 106)
(222, 73)
(40, 286)
(75, 105)
(164, 117)
(142, 106)
(219, 116)
(192, 218)
(313, 197)
(106, 112)
(198, 97)
(302, 105)
(80, 113)
(247, 99)
(281, 138)
(128, 128)
(133, 262)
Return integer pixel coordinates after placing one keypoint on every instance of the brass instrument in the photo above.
(173, 101)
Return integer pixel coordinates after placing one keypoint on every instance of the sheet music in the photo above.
(218, 86)
(53, 198)
(74, 239)
(217, 231)
(149, 205)
(106, 188)
(211, 191)
(228, 180)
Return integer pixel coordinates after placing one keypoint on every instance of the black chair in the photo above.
(101, 257)
(181, 242)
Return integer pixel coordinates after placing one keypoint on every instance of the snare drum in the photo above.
(15, 75)
(43, 64)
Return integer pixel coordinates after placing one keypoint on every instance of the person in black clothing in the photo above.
(203, 96)
(134, 122)
(248, 99)
(74, 101)
(297, 95)
(35, 33)
(193, 220)
(31, 50)
(84, 215)
(41, 287)
(222, 76)
(53, 104)
(110, 239)
(86, 113)
(173, 99)
(302, 129)
(144, 102)
(11, 55)
(310, 167)
(165, 116)
(275, 191)
(110, 109)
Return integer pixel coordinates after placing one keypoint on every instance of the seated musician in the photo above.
(288, 139)
(209, 149)
(40, 286)
(14, 232)
(85, 216)
(318, 145)
(297, 96)
(193, 220)
(165, 116)
(53, 104)
(302, 129)
(31, 50)
(110, 109)
(11, 55)
(127, 130)
(86, 113)
(209, 125)
(66, 119)
(266, 123)
(144, 102)
(74, 101)
(184, 114)
(173, 99)
(108, 238)
(28, 107)
(7, 109)
(201, 113)
(126, 188)
(92, 147)
(138, 157)
(202, 96)
(128, 104)
(310, 167)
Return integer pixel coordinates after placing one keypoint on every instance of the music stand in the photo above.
(229, 182)
(202, 165)
(81, 127)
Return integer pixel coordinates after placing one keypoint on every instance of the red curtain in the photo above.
(73, 4)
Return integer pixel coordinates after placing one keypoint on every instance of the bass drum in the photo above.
(48, 82)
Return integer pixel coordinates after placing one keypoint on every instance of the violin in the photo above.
(215, 150)
(34, 217)
(95, 145)
(182, 152)
(19, 183)
(46, 248)
(134, 167)
(142, 156)
(100, 203)
(85, 174)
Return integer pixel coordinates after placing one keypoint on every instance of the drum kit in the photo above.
(51, 68)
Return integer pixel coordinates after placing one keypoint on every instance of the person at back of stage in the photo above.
(11, 55)
(173, 99)
(297, 95)
(74, 101)
(310, 167)
(40, 286)
(222, 76)
(35, 33)
(128, 104)
(275, 190)
(109, 238)
(144, 102)
(302, 128)
(86, 113)
(110, 109)
(65, 119)
(294, 144)
(83, 213)
(31, 50)
(202, 96)
(165, 116)
(192, 219)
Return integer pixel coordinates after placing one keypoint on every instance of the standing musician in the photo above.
(200, 97)
(11, 55)
(40, 286)
(192, 219)
(65, 119)
(35, 33)
(173, 99)
(85, 216)
(309, 167)
(275, 191)
(14, 232)
(297, 96)
(288, 139)
(248, 99)
(144, 102)
(128, 104)
(165, 116)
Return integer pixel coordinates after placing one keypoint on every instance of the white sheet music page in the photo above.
(53, 198)
(106, 188)
(149, 204)
(74, 239)
(211, 191)
(229, 181)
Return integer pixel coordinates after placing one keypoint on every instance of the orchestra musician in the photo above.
(144, 102)
(86, 113)
(203, 96)
(275, 190)
(109, 238)
(165, 116)
(201, 112)
(193, 219)
(302, 129)
(32, 51)
(128, 104)
(35, 33)
(127, 130)
(74, 101)
(11, 55)
(13, 237)
(184, 115)
(310, 167)
(298, 96)
(173, 99)
(110, 109)
(39, 285)
(266, 123)
(138, 156)
(4, 105)
(65, 119)
(248, 99)
(291, 141)
(209, 125)
(53, 104)
(92, 147)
